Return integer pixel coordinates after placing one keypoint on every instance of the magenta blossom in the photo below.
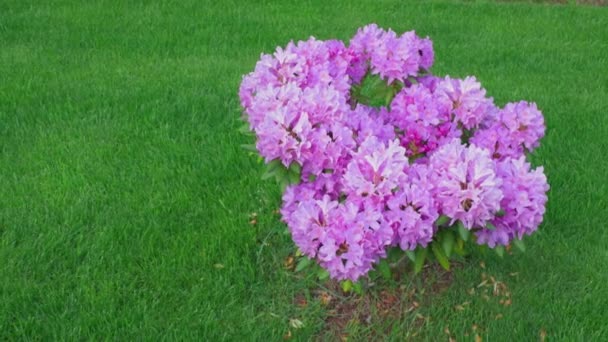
(376, 164)
(467, 100)
(523, 203)
(466, 185)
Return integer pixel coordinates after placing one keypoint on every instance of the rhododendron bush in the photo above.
(375, 153)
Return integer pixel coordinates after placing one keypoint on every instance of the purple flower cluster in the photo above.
(374, 177)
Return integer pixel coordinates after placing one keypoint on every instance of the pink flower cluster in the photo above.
(379, 177)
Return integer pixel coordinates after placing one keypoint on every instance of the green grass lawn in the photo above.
(125, 197)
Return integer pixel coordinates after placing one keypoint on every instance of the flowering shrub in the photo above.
(376, 153)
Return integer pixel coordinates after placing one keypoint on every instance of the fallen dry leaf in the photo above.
(478, 338)
(289, 262)
(302, 302)
(543, 335)
(287, 335)
(325, 298)
(296, 323)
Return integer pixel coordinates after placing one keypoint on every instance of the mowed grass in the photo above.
(125, 196)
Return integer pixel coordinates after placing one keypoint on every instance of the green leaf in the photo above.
(272, 168)
(283, 184)
(244, 129)
(520, 245)
(500, 213)
(447, 242)
(483, 249)
(411, 255)
(293, 178)
(440, 255)
(490, 226)
(500, 250)
(282, 177)
(346, 285)
(421, 254)
(393, 255)
(373, 91)
(295, 168)
(274, 165)
(442, 221)
(266, 175)
(385, 269)
(459, 247)
(358, 288)
(463, 231)
(323, 274)
(302, 264)
(249, 147)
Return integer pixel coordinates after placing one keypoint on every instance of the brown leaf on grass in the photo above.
(478, 338)
(514, 274)
(287, 335)
(499, 316)
(388, 299)
(459, 308)
(482, 264)
(446, 330)
(301, 301)
(253, 219)
(289, 262)
(325, 298)
(543, 335)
